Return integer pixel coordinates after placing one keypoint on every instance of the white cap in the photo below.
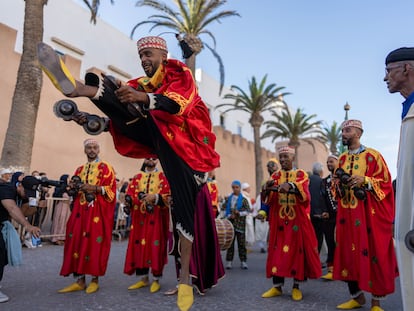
(5, 171)
(245, 185)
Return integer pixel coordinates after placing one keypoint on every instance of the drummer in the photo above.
(237, 208)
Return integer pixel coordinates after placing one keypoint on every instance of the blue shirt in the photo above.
(407, 104)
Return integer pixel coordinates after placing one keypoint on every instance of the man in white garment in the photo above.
(399, 76)
(246, 189)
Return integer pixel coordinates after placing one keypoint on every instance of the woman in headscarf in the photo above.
(61, 212)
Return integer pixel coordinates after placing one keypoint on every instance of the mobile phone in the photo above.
(36, 241)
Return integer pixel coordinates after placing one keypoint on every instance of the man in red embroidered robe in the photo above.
(161, 115)
(89, 228)
(214, 193)
(293, 248)
(147, 245)
(364, 255)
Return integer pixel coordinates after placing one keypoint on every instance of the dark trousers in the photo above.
(184, 188)
(353, 288)
(328, 228)
(241, 245)
(317, 226)
(325, 228)
(279, 281)
(145, 271)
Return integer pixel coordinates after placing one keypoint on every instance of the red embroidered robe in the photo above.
(189, 132)
(89, 227)
(148, 239)
(365, 249)
(293, 248)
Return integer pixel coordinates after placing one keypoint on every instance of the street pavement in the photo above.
(34, 285)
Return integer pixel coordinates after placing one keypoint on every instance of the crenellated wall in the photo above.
(237, 160)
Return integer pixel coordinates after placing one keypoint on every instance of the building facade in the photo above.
(86, 47)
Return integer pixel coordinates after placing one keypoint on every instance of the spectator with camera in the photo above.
(10, 247)
(364, 256)
(61, 211)
(147, 202)
(89, 228)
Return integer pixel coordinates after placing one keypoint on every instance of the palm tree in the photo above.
(18, 142)
(191, 20)
(93, 7)
(295, 127)
(259, 99)
(332, 136)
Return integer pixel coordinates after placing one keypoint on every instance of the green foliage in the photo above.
(258, 99)
(94, 8)
(332, 136)
(295, 127)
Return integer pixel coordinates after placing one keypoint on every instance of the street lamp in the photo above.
(347, 107)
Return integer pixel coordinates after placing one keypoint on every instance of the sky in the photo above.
(325, 53)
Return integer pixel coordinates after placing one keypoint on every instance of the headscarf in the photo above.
(59, 191)
(15, 178)
(239, 203)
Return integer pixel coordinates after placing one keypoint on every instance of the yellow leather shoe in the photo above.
(92, 287)
(328, 276)
(376, 308)
(296, 294)
(138, 285)
(185, 297)
(72, 288)
(273, 292)
(351, 304)
(55, 69)
(155, 287)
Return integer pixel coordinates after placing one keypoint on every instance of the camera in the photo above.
(45, 182)
(75, 185)
(344, 179)
(128, 204)
(270, 186)
(149, 207)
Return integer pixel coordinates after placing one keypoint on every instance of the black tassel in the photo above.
(185, 48)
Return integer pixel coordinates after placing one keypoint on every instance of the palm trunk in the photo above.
(18, 143)
(191, 63)
(258, 158)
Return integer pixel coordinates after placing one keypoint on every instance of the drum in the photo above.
(225, 233)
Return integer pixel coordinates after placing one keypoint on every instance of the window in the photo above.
(222, 121)
(239, 129)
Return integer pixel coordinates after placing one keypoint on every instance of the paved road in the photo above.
(33, 286)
